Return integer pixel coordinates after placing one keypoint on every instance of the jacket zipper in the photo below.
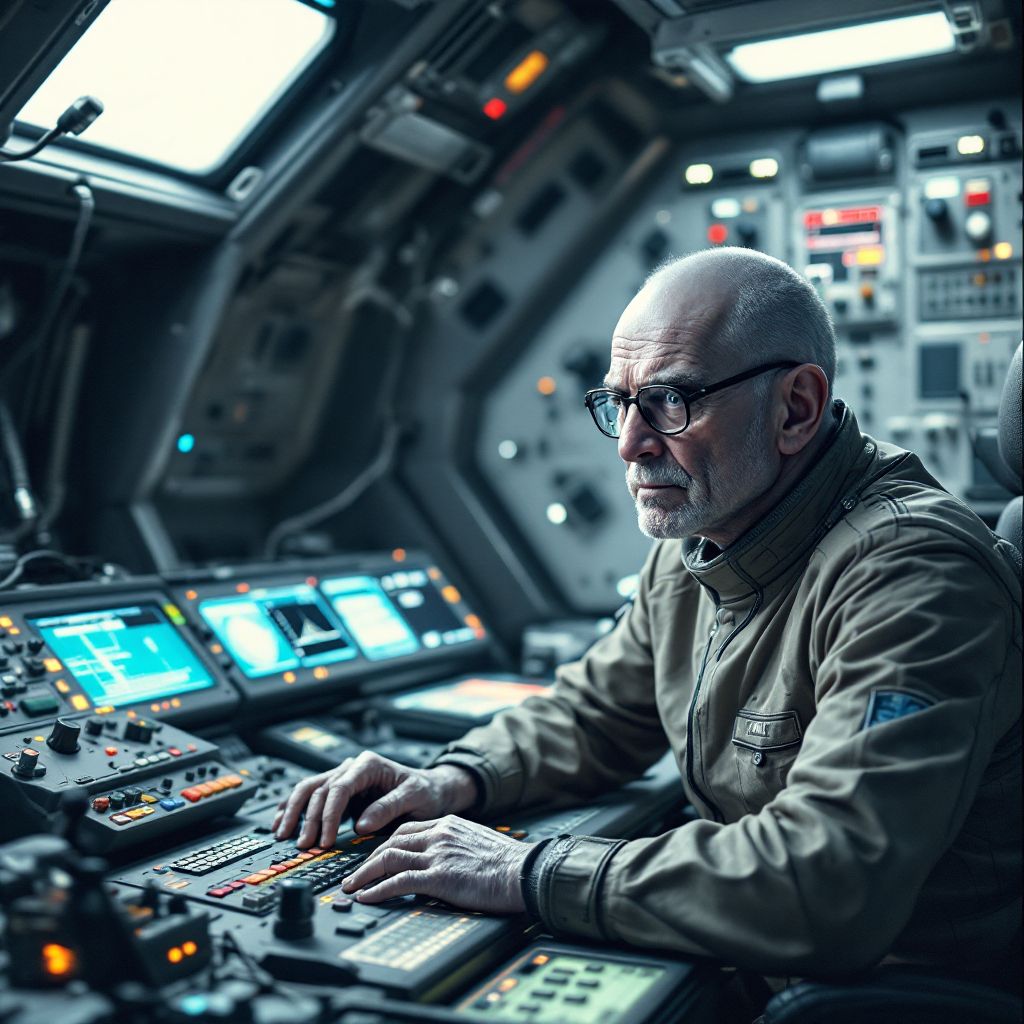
(689, 726)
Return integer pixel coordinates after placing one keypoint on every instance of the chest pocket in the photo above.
(765, 747)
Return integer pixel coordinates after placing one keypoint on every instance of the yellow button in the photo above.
(147, 799)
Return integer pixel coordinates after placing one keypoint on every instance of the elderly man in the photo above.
(828, 641)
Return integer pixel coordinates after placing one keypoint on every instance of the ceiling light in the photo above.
(970, 145)
(765, 167)
(698, 174)
(839, 49)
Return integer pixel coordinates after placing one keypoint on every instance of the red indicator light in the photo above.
(717, 234)
(495, 108)
(977, 198)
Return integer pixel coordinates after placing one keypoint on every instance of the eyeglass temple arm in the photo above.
(739, 378)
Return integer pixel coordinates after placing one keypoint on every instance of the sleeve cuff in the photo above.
(564, 882)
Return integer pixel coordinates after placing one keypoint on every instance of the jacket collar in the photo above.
(784, 538)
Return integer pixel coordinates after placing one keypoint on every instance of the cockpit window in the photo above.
(183, 81)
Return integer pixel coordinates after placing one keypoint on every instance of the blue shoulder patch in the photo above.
(886, 705)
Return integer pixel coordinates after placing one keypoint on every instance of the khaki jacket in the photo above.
(841, 689)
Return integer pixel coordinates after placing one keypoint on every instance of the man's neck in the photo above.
(793, 469)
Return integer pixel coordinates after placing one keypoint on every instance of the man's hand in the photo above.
(391, 789)
(452, 859)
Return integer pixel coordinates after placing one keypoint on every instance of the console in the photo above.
(89, 648)
(306, 632)
(143, 778)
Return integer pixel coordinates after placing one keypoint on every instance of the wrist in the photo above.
(458, 788)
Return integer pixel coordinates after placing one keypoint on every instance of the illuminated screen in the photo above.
(558, 989)
(473, 697)
(273, 630)
(370, 617)
(124, 655)
(425, 609)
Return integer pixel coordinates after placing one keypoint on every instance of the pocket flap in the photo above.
(766, 732)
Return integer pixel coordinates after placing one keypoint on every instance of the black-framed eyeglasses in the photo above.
(664, 408)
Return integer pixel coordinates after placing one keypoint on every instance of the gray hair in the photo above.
(776, 313)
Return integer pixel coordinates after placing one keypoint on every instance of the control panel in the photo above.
(86, 649)
(143, 778)
(554, 983)
(330, 623)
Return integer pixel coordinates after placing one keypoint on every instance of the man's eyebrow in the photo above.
(672, 378)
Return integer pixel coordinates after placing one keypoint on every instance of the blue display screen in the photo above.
(370, 617)
(124, 655)
(277, 629)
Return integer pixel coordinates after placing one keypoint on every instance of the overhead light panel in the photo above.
(840, 49)
(764, 167)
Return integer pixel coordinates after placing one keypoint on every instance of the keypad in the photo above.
(210, 858)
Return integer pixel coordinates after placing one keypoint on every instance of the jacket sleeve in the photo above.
(598, 730)
(827, 875)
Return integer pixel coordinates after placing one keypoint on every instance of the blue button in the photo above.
(172, 804)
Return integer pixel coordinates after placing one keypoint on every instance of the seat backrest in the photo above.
(1010, 416)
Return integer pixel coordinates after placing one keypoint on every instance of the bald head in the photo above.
(739, 308)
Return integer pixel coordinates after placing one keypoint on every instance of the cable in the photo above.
(34, 556)
(389, 443)
(62, 428)
(21, 485)
(86, 208)
(74, 120)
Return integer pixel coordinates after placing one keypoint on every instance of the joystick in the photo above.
(64, 737)
(294, 910)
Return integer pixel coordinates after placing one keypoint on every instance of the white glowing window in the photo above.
(839, 49)
(183, 81)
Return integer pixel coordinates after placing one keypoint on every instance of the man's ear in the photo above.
(805, 397)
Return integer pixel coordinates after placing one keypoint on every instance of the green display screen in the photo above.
(559, 989)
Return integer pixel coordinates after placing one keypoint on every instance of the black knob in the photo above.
(34, 667)
(840, 305)
(64, 737)
(937, 209)
(116, 800)
(27, 761)
(294, 909)
(34, 645)
(138, 731)
(167, 784)
(94, 726)
(131, 796)
(4, 662)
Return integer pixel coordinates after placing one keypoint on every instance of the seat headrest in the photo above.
(1010, 416)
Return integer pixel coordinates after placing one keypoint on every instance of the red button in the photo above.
(174, 751)
(192, 795)
(717, 234)
(111, 751)
(101, 804)
(219, 892)
(236, 885)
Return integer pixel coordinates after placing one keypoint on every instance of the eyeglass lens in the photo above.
(663, 408)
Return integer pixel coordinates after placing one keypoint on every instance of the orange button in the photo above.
(52, 664)
(216, 785)
(192, 794)
(111, 751)
(204, 789)
(231, 781)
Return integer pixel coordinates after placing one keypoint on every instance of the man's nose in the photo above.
(637, 439)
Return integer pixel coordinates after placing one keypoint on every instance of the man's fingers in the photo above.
(311, 826)
(295, 803)
(403, 799)
(400, 885)
(366, 771)
(390, 863)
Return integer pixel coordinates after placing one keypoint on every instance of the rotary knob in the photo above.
(64, 737)
(94, 726)
(138, 731)
(294, 909)
(28, 762)
(937, 210)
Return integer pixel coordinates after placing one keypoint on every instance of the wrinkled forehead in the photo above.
(669, 334)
